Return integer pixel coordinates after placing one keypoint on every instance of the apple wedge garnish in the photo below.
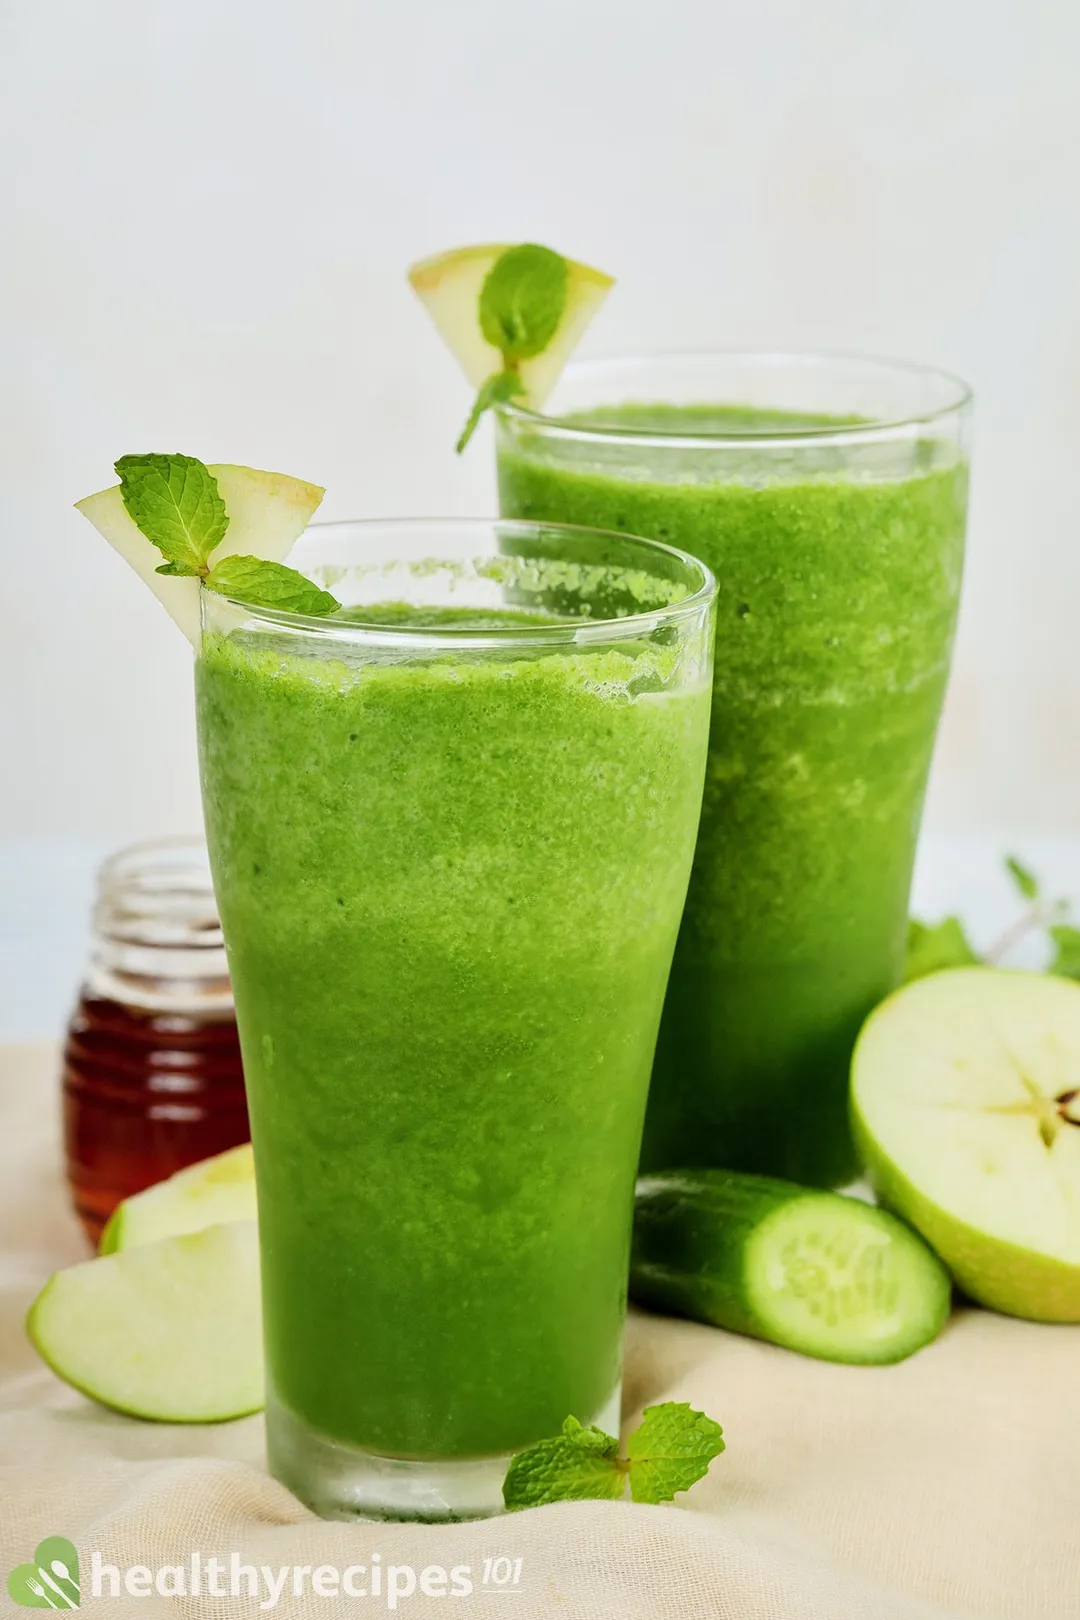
(966, 1109)
(205, 1194)
(511, 316)
(169, 1331)
(266, 514)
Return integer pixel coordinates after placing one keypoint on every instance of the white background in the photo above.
(209, 206)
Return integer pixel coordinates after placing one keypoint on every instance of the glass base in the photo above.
(339, 1481)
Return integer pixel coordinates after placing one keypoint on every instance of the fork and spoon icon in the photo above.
(51, 1581)
(59, 1568)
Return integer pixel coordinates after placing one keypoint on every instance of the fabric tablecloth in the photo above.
(946, 1486)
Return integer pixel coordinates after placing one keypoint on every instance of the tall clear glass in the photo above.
(828, 495)
(451, 830)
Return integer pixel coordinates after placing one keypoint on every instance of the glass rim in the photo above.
(570, 427)
(485, 637)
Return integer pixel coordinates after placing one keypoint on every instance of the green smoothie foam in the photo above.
(837, 599)
(451, 888)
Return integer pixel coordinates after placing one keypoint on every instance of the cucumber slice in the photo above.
(813, 1271)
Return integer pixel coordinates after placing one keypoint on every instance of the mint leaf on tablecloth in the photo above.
(671, 1450)
(578, 1465)
(175, 502)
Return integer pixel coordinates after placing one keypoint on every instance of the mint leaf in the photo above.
(931, 948)
(522, 301)
(1066, 961)
(175, 502)
(269, 584)
(1023, 877)
(579, 1465)
(499, 388)
(671, 1450)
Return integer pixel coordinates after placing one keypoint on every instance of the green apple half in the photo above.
(170, 1331)
(267, 511)
(205, 1194)
(966, 1109)
(449, 287)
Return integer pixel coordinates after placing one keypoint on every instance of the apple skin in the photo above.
(206, 1193)
(1003, 1276)
(169, 1332)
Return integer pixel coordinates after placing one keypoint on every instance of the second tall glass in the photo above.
(451, 830)
(828, 496)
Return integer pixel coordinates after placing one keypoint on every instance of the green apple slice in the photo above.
(449, 286)
(267, 514)
(204, 1194)
(966, 1108)
(170, 1331)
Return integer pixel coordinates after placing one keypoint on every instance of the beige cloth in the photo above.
(947, 1486)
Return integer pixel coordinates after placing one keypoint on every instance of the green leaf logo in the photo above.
(51, 1581)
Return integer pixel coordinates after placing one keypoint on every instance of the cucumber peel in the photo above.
(812, 1271)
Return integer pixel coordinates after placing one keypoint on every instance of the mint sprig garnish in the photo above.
(669, 1451)
(496, 391)
(934, 947)
(174, 501)
(522, 303)
(269, 584)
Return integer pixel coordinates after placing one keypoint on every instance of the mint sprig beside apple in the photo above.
(175, 502)
(668, 1452)
(935, 947)
(1041, 913)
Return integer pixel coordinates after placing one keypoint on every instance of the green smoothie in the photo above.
(837, 597)
(451, 886)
